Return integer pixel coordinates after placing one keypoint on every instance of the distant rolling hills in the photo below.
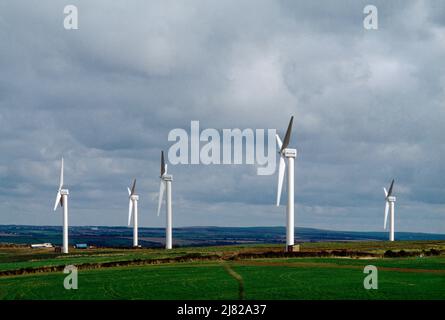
(189, 236)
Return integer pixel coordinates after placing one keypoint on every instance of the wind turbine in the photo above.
(166, 184)
(290, 155)
(389, 206)
(133, 206)
(62, 198)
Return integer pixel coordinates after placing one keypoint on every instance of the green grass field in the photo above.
(277, 278)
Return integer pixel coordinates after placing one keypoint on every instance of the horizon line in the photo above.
(210, 226)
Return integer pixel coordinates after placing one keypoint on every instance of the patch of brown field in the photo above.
(330, 265)
(234, 253)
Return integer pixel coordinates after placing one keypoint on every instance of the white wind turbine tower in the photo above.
(166, 184)
(290, 155)
(62, 198)
(389, 206)
(133, 208)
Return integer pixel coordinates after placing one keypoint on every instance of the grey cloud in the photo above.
(368, 106)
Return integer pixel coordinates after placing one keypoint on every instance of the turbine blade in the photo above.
(61, 176)
(288, 134)
(130, 210)
(163, 169)
(58, 197)
(133, 188)
(390, 188)
(386, 214)
(161, 195)
(279, 142)
(129, 191)
(281, 170)
(386, 192)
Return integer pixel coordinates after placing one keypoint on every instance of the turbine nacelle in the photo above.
(289, 153)
(167, 177)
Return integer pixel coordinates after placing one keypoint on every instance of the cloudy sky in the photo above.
(368, 106)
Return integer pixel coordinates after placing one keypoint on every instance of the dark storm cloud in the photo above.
(368, 106)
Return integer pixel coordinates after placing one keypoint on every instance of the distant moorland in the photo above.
(189, 236)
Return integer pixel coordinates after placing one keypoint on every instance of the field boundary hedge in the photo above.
(112, 264)
(194, 257)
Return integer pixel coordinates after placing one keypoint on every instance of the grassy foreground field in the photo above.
(417, 277)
